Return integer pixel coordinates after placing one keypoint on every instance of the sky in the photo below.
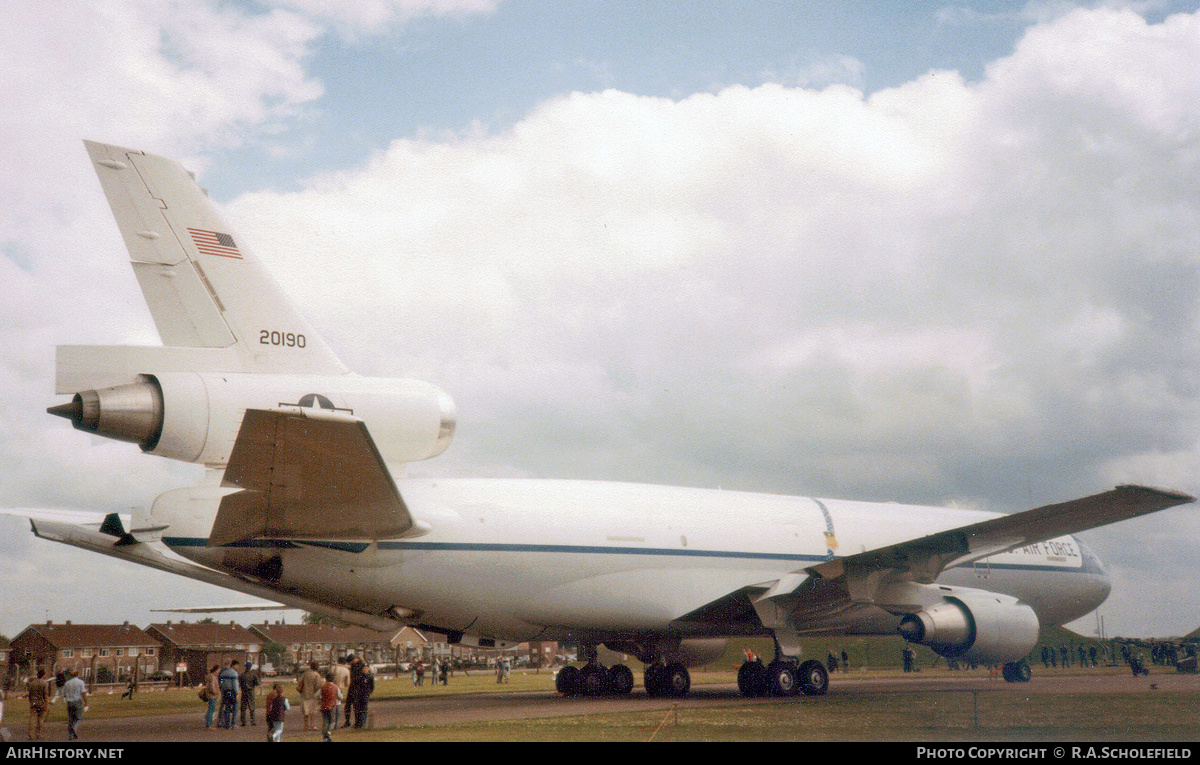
(931, 252)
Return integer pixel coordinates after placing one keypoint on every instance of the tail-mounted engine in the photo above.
(194, 417)
(974, 625)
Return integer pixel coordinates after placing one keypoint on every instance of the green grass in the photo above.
(996, 714)
(948, 716)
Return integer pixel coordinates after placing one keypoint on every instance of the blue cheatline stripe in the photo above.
(354, 547)
(357, 547)
(594, 550)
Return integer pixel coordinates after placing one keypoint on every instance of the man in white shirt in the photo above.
(74, 692)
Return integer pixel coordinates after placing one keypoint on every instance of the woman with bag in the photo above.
(209, 693)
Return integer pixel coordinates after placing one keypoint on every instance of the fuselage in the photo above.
(514, 560)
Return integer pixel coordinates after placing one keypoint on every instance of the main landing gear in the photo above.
(783, 677)
(594, 679)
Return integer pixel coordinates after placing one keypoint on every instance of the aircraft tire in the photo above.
(814, 678)
(676, 680)
(620, 679)
(782, 679)
(567, 682)
(752, 679)
(593, 680)
(652, 679)
(1017, 672)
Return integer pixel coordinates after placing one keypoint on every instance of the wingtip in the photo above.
(1180, 497)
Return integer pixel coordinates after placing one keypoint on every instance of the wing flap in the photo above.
(307, 474)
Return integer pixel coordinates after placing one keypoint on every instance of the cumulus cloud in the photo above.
(174, 78)
(1001, 272)
(941, 292)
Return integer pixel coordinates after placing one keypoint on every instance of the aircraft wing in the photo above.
(818, 595)
(925, 558)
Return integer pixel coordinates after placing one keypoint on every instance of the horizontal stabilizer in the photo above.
(307, 474)
(149, 555)
(222, 609)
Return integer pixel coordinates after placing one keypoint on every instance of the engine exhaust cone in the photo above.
(72, 410)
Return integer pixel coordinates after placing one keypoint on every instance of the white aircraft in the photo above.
(304, 501)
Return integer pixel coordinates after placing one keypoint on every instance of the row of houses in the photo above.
(185, 651)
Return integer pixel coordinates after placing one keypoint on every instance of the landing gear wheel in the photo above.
(652, 680)
(752, 679)
(782, 679)
(1017, 672)
(814, 678)
(567, 682)
(593, 680)
(620, 679)
(676, 681)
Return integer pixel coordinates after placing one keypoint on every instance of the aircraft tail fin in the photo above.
(202, 285)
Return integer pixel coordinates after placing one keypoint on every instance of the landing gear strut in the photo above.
(784, 676)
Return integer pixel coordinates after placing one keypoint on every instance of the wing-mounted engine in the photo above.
(973, 625)
(194, 417)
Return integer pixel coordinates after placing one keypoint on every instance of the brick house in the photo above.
(101, 653)
(324, 643)
(191, 649)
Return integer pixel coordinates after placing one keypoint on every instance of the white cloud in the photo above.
(172, 78)
(375, 16)
(943, 291)
(984, 292)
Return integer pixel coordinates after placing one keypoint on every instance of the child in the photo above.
(277, 707)
(331, 694)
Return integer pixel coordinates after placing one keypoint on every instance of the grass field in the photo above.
(1001, 713)
(884, 717)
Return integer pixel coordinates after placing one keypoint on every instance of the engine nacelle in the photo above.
(696, 652)
(974, 625)
(195, 417)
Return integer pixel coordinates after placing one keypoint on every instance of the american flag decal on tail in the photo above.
(214, 243)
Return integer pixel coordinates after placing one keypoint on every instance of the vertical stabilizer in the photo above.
(202, 285)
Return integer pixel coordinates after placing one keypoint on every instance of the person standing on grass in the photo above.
(331, 694)
(38, 691)
(341, 676)
(211, 694)
(227, 681)
(74, 692)
(248, 681)
(277, 707)
(309, 686)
